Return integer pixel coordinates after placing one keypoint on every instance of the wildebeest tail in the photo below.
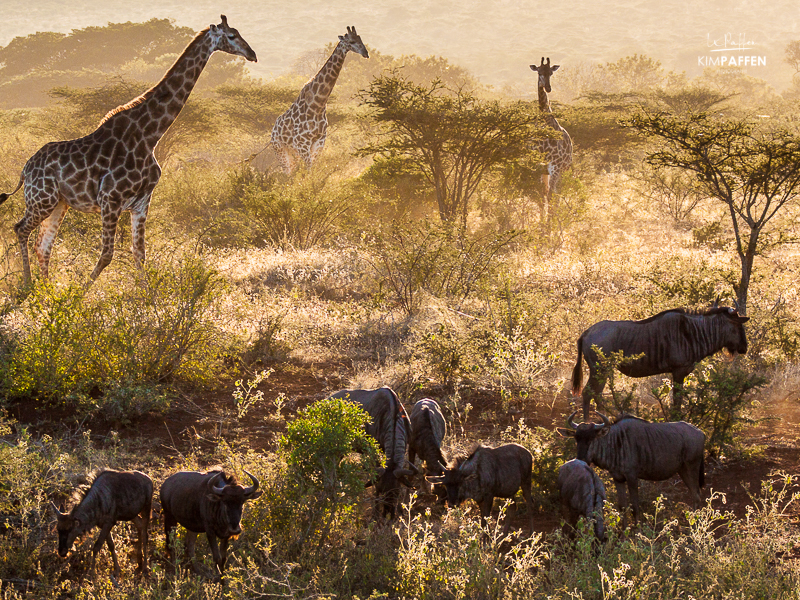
(577, 372)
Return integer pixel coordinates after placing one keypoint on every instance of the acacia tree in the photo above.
(450, 137)
(754, 170)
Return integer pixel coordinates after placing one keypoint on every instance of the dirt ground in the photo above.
(198, 421)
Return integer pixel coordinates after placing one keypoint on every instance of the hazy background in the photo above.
(494, 39)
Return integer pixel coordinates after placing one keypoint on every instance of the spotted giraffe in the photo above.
(301, 130)
(113, 169)
(557, 151)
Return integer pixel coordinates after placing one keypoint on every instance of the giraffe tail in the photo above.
(4, 196)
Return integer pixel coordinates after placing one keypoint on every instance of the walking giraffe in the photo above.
(302, 129)
(113, 169)
(557, 151)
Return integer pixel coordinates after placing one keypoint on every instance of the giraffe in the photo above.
(557, 151)
(113, 169)
(302, 129)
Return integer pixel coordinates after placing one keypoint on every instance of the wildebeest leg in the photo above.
(110, 543)
(412, 455)
(526, 492)
(191, 540)
(593, 390)
(677, 391)
(169, 525)
(622, 501)
(141, 524)
(104, 534)
(633, 491)
(219, 557)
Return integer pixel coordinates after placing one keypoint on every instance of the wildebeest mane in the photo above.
(79, 493)
(707, 312)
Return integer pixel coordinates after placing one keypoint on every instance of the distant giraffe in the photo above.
(113, 169)
(557, 151)
(302, 129)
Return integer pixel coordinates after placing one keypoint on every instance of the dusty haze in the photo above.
(495, 39)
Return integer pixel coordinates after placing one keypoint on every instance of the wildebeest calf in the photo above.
(428, 429)
(209, 503)
(632, 449)
(112, 496)
(489, 473)
(582, 495)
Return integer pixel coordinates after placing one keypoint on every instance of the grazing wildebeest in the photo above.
(582, 495)
(489, 473)
(428, 429)
(112, 496)
(391, 428)
(673, 341)
(632, 449)
(209, 503)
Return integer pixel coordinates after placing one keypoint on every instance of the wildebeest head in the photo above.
(732, 330)
(454, 476)
(68, 528)
(229, 496)
(585, 433)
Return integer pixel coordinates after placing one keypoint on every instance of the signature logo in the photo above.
(729, 43)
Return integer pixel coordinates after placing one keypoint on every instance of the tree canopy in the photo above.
(451, 137)
(753, 169)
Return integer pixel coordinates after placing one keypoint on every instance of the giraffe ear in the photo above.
(534, 68)
(341, 38)
(554, 68)
(212, 28)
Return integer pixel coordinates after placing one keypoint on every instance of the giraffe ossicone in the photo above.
(557, 151)
(113, 169)
(300, 132)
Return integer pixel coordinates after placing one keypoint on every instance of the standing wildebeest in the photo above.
(673, 341)
(113, 496)
(391, 428)
(582, 495)
(632, 449)
(209, 503)
(428, 429)
(489, 473)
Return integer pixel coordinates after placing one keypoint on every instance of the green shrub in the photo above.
(328, 456)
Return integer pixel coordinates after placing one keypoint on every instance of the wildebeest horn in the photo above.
(55, 508)
(735, 305)
(435, 479)
(442, 467)
(413, 468)
(252, 489)
(570, 422)
(716, 303)
(606, 422)
(214, 489)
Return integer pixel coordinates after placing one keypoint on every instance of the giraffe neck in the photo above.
(544, 107)
(322, 84)
(156, 109)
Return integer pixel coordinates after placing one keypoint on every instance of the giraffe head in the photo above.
(352, 41)
(545, 71)
(228, 40)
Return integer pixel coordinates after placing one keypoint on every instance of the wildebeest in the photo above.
(112, 496)
(391, 428)
(632, 449)
(209, 503)
(489, 473)
(582, 495)
(428, 429)
(673, 341)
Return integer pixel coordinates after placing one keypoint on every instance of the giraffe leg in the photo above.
(110, 220)
(316, 150)
(285, 157)
(138, 220)
(47, 235)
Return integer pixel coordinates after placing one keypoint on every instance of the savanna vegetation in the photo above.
(412, 255)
